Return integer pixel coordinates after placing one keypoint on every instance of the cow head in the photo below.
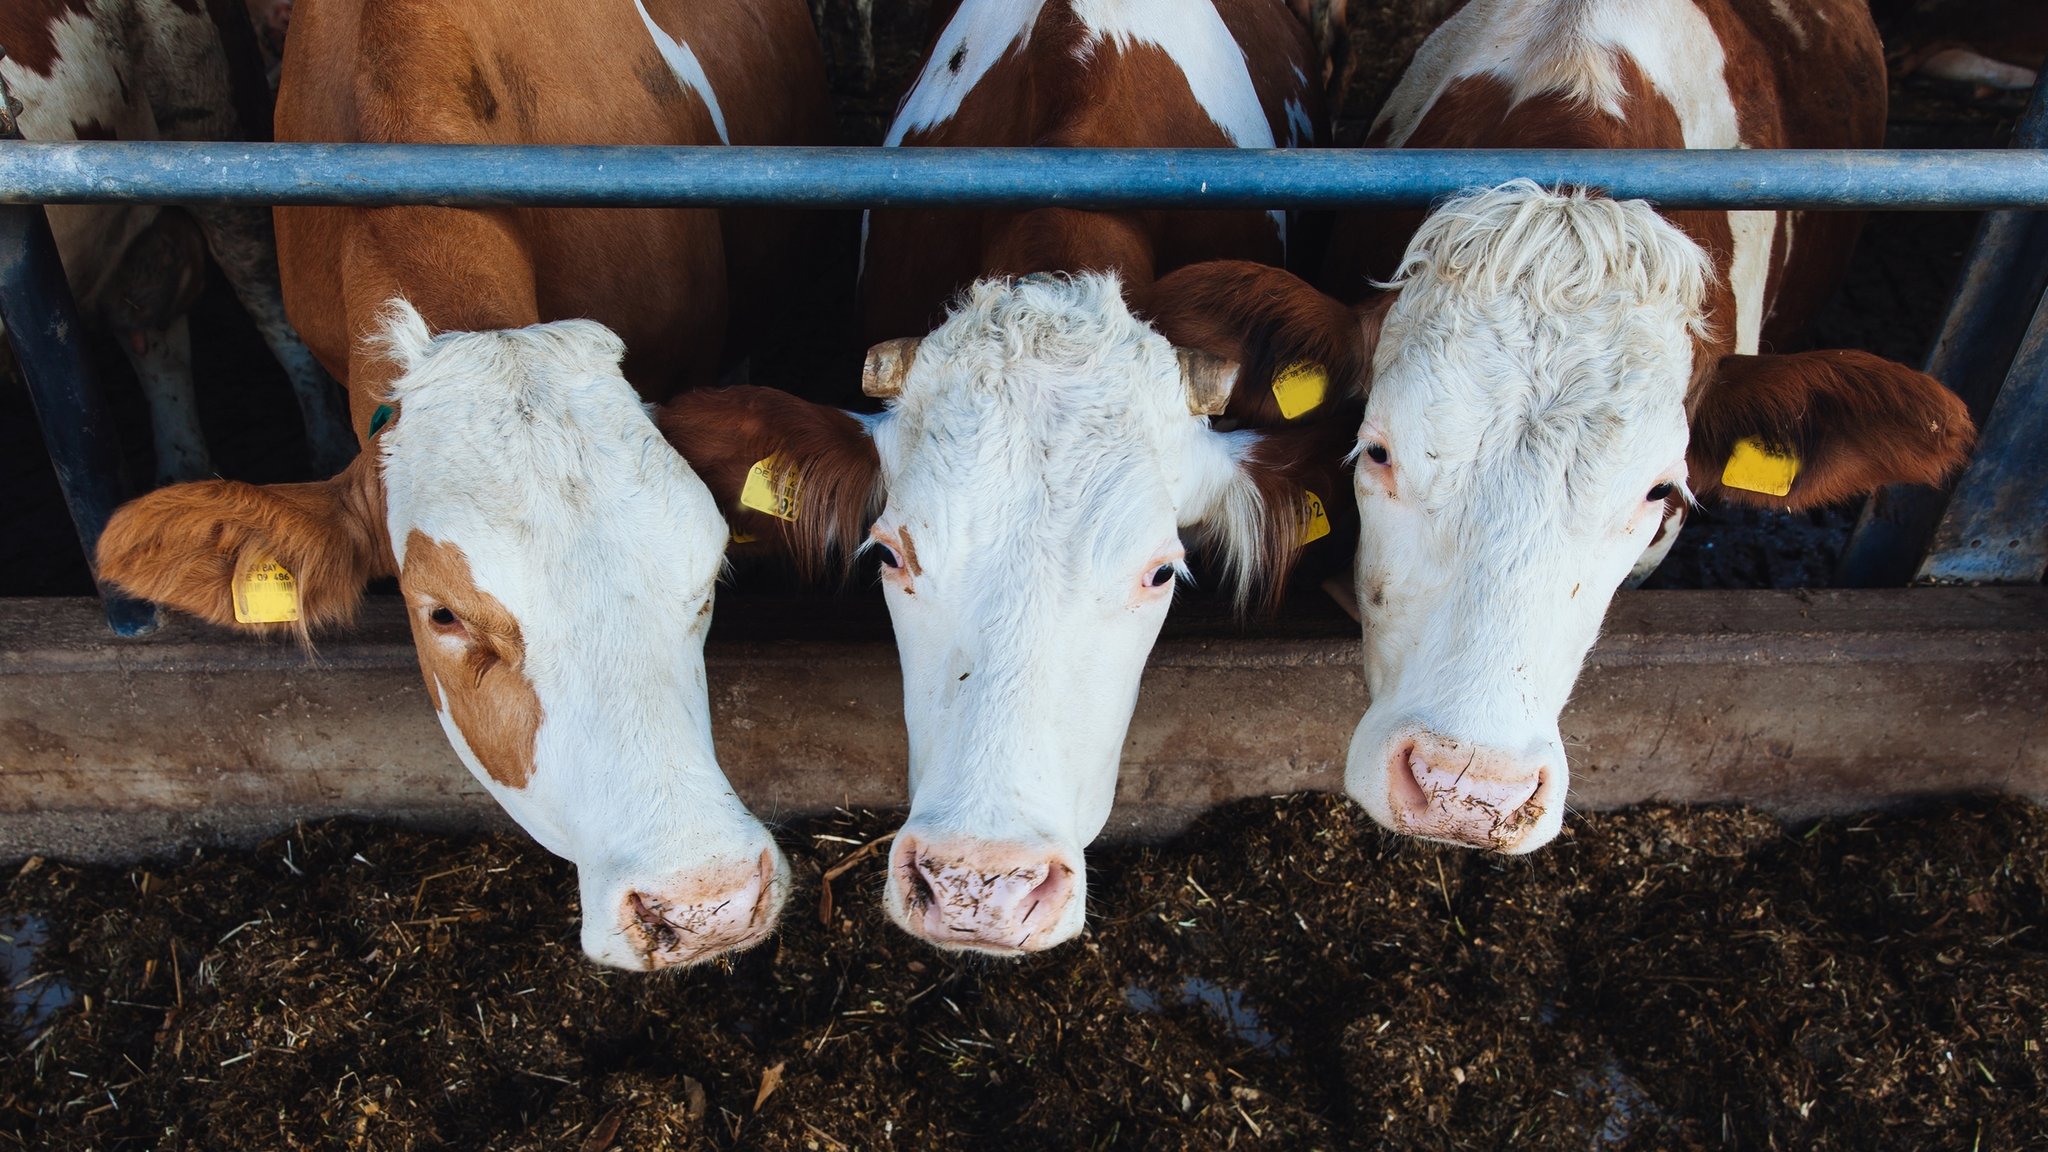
(1543, 398)
(1032, 491)
(557, 561)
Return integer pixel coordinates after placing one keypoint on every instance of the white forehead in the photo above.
(1539, 340)
(1039, 401)
(528, 449)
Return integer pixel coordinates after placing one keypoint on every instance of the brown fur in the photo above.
(1287, 463)
(1048, 96)
(26, 31)
(722, 434)
(1265, 319)
(483, 684)
(183, 546)
(1858, 422)
(527, 72)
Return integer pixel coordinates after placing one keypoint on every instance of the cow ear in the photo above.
(1287, 501)
(1822, 427)
(795, 479)
(1301, 355)
(213, 549)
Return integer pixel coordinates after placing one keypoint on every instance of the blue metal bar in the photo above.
(42, 325)
(2004, 275)
(378, 174)
(1995, 530)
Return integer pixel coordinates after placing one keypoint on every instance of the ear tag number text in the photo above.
(771, 488)
(1316, 524)
(1300, 388)
(266, 594)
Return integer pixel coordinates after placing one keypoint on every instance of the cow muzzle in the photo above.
(699, 918)
(1461, 793)
(1001, 898)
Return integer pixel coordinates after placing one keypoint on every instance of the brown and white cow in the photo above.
(1046, 451)
(556, 555)
(1558, 375)
(162, 70)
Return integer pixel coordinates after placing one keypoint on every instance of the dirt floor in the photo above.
(1284, 976)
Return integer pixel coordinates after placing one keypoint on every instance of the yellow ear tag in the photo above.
(770, 489)
(1316, 524)
(266, 594)
(1300, 388)
(1753, 467)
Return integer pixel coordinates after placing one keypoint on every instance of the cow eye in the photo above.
(1376, 452)
(1660, 492)
(889, 557)
(1160, 576)
(444, 619)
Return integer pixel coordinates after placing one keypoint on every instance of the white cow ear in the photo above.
(403, 334)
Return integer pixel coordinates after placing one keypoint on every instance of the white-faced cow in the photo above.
(1558, 375)
(555, 554)
(169, 70)
(1047, 453)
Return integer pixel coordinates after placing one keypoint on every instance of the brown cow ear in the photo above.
(1302, 355)
(1822, 427)
(796, 479)
(195, 546)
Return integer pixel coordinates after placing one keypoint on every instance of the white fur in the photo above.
(688, 72)
(1042, 458)
(1569, 47)
(1190, 32)
(1529, 386)
(989, 30)
(92, 80)
(529, 451)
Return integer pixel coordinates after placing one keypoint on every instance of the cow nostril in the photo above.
(1047, 893)
(917, 887)
(660, 932)
(1406, 782)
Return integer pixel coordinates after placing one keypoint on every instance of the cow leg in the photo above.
(162, 359)
(245, 247)
(154, 286)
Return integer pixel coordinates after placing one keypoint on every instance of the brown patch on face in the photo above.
(475, 669)
(909, 552)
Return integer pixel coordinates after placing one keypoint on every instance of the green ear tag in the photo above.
(380, 418)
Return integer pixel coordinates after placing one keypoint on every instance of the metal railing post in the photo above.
(42, 325)
(2004, 275)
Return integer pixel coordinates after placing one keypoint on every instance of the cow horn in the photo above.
(887, 364)
(1209, 380)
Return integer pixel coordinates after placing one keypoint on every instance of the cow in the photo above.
(162, 70)
(1990, 46)
(1048, 448)
(555, 555)
(1556, 375)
